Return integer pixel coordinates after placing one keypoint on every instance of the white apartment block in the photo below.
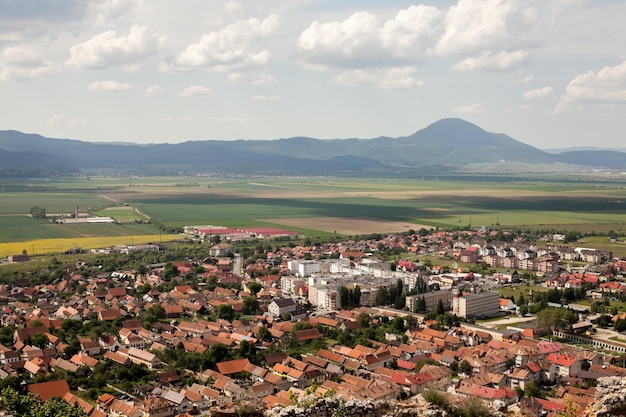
(304, 268)
(326, 298)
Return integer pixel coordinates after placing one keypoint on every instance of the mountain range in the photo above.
(445, 146)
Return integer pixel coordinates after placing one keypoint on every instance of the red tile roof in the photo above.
(47, 390)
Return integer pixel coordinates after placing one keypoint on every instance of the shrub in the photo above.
(436, 397)
(475, 408)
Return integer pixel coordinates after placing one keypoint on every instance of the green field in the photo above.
(22, 228)
(550, 205)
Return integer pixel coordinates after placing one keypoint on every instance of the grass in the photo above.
(508, 291)
(617, 339)
(52, 201)
(549, 204)
(34, 229)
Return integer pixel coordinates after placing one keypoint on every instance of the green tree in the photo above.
(440, 310)
(264, 334)
(620, 325)
(531, 389)
(40, 340)
(254, 287)
(465, 367)
(225, 311)
(250, 305)
(38, 212)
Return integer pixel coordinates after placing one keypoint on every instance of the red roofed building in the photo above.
(307, 334)
(232, 367)
(50, 389)
(566, 365)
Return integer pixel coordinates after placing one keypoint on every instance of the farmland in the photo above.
(315, 206)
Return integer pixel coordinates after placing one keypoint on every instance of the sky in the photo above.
(549, 73)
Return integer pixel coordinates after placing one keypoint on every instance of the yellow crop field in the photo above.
(45, 246)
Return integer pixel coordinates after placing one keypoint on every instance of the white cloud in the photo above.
(196, 91)
(153, 90)
(387, 79)
(64, 119)
(108, 49)
(538, 93)
(472, 108)
(22, 57)
(237, 47)
(273, 97)
(107, 10)
(252, 77)
(488, 61)
(25, 74)
(22, 64)
(606, 86)
(363, 41)
(475, 26)
(411, 31)
(527, 79)
(109, 86)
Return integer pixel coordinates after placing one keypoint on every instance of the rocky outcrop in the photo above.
(610, 398)
(327, 407)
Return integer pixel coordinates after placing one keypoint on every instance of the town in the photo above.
(470, 318)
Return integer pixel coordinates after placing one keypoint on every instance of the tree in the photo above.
(620, 325)
(556, 318)
(40, 340)
(250, 305)
(264, 334)
(523, 310)
(465, 367)
(225, 311)
(440, 310)
(531, 389)
(398, 325)
(38, 212)
(421, 305)
(254, 287)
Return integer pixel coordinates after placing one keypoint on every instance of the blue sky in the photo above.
(549, 73)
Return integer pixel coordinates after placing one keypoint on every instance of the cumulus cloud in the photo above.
(64, 119)
(538, 93)
(605, 86)
(108, 49)
(237, 47)
(109, 87)
(22, 57)
(22, 64)
(387, 79)
(488, 61)
(273, 97)
(363, 41)
(153, 90)
(474, 26)
(472, 108)
(196, 91)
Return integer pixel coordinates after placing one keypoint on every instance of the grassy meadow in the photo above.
(307, 205)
